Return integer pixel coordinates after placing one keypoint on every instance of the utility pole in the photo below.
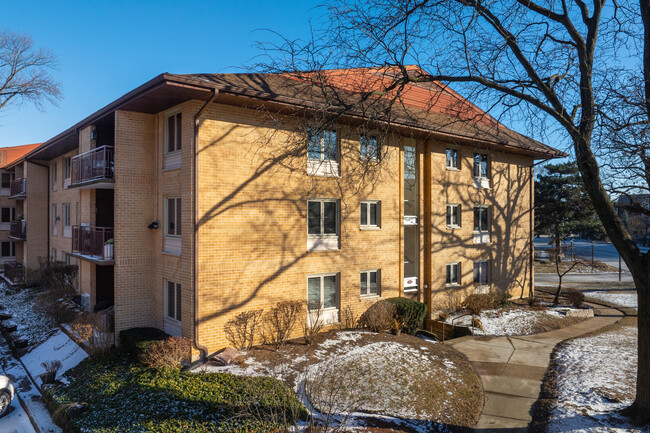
(592, 255)
(573, 257)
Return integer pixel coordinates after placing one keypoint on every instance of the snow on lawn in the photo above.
(33, 325)
(359, 374)
(622, 299)
(595, 377)
(515, 321)
(59, 347)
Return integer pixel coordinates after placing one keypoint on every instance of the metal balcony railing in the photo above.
(96, 242)
(94, 165)
(17, 188)
(15, 272)
(18, 229)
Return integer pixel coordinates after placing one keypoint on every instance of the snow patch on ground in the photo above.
(622, 299)
(32, 324)
(596, 377)
(516, 321)
(59, 347)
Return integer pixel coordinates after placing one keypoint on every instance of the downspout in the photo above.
(531, 198)
(195, 199)
(47, 168)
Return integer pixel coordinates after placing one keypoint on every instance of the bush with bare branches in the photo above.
(93, 331)
(576, 297)
(242, 329)
(379, 317)
(315, 322)
(349, 320)
(168, 353)
(279, 322)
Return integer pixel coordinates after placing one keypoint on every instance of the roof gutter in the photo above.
(195, 256)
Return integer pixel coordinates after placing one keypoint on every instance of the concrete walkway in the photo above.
(512, 369)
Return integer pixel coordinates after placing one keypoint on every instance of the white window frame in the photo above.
(481, 180)
(54, 222)
(173, 157)
(450, 216)
(66, 219)
(324, 241)
(451, 283)
(327, 315)
(482, 236)
(488, 279)
(322, 166)
(6, 191)
(67, 171)
(368, 204)
(53, 257)
(367, 293)
(55, 175)
(457, 158)
(12, 249)
(172, 324)
(172, 241)
(367, 156)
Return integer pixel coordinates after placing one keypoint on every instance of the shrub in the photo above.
(476, 303)
(576, 297)
(409, 314)
(241, 330)
(501, 299)
(314, 323)
(51, 369)
(168, 353)
(379, 317)
(279, 322)
(56, 276)
(93, 331)
(349, 320)
(136, 341)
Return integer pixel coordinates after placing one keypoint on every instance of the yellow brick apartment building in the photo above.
(195, 197)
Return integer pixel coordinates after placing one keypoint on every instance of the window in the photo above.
(369, 147)
(370, 214)
(173, 217)
(54, 175)
(322, 224)
(482, 272)
(322, 146)
(453, 274)
(8, 214)
(370, 283)
(452, 159)
(322, 153)
(481, 224)
(174, 133)
(66, 168)
(8, 249)
(173, 301)
(481, 168)
(322, 292)
(66, 215)
(54, 219)
(7, 178)
(53, 258)
(66, 258)
(453, 215)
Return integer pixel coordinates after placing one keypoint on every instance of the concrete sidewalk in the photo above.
(512, 369)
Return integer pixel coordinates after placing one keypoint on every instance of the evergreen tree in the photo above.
(562, 206)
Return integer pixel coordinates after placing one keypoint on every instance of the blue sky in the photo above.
(107, 48)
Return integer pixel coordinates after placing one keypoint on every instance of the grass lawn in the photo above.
(583, 266)
(374, 381)
(125, 397)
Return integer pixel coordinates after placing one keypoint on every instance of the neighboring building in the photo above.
(196, 197)
(11, 226)
(637, 223)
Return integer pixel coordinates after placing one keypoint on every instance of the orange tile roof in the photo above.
(13, 153)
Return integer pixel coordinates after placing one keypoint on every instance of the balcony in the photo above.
(93, 169)
(94, 244)
(15, 272)
(18, 230)
(17, 189)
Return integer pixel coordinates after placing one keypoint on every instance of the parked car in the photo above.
(6, 394)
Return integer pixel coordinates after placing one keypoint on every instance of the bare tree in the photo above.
(25, 72)
(562, 66)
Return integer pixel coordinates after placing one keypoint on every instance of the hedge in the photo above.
(410, 313)
(136, 341)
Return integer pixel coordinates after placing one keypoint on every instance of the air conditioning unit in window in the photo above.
(410, 282)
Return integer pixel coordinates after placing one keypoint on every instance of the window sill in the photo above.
(171, 168)
(452, 169)
(410, 289)
(453, 227)
(323, 243)
(368, 297)
(452, 285)
(369, 228)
